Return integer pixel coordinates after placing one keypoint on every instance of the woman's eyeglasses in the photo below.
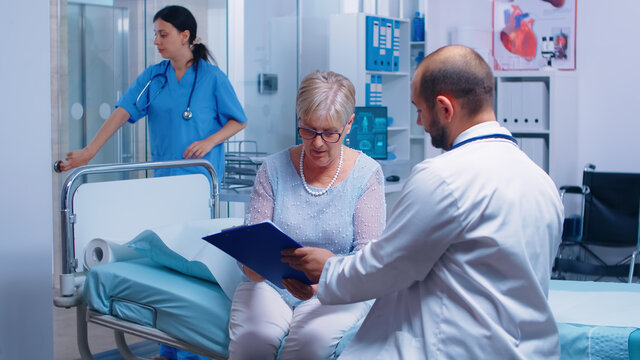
(327, 136)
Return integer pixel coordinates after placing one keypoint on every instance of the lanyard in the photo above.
(490, 136)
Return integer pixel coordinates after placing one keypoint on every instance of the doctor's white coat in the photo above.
(462, 269)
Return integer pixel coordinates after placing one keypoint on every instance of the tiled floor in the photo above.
(65, 345)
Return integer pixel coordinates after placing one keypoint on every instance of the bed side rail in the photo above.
(68, 282)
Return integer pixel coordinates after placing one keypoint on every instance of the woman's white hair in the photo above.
(326, 94)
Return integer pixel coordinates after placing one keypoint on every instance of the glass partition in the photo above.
(284, 40)
(99, 47)
(98, 74)
(270, 72)
(102, 46)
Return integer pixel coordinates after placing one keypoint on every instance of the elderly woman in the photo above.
(322, 194)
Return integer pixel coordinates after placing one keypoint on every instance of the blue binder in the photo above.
(368, 90)
(386, 52)
(258, 246)
(372, 47)
(376, 90)
(396, 45)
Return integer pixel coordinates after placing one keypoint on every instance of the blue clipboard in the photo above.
(259, 247)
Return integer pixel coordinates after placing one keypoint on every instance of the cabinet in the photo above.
(348, 56)
(539, 108)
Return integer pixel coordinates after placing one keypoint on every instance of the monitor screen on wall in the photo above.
(369, 131)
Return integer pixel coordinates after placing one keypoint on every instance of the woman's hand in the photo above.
(252, 275)
(309, 260)
(75, 159)
(299, 289)
(198, 149)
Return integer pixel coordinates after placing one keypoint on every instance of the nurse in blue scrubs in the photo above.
(191, 106)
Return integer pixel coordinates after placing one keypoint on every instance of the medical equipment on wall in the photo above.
(187, 114)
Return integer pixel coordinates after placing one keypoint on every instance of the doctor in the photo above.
(462, 269)
(191, 105)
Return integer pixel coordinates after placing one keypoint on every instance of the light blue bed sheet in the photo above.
(598, 319)
(187, 308)
(598, 342)
(143, 292)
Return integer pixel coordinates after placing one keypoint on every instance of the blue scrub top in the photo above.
(213, 104)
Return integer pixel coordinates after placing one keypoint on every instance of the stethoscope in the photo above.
(490, 136)
(187, 114)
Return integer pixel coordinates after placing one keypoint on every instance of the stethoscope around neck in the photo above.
(187, 114)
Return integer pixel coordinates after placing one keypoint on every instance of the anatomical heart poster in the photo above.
(534, 34)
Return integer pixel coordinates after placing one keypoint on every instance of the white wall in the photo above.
(26, 319)
(607, 72)
(609, 85)
(314, 35)
(444, 18)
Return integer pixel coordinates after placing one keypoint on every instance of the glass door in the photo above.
(103, 45)
(98, 39)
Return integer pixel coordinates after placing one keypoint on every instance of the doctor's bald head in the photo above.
(459, 72)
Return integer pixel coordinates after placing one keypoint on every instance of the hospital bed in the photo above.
(118, 211)
(144, 296)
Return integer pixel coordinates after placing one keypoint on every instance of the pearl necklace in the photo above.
(304, 181)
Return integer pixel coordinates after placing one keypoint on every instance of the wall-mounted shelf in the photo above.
(538, 107)
(348, 56)
(388, 73)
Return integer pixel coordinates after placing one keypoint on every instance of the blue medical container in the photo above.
(417, 27)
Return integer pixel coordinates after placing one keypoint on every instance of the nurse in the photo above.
(191, 105)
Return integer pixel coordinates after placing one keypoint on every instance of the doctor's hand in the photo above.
(309, 260)
(198, 149)
(254, 276)
(299, 289)
(75, 159)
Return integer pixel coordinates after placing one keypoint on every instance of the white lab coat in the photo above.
(462, 269)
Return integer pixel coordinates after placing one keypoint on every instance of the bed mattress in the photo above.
(596, 320)
(149, 294)
(141, 291)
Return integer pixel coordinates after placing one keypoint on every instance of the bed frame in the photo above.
(72, 279)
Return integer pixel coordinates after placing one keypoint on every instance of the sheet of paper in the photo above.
(186, 240)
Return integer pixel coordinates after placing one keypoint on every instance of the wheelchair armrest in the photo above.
(572, 189)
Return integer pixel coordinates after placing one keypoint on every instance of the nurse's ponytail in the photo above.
(200, 51)
(182, 19)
